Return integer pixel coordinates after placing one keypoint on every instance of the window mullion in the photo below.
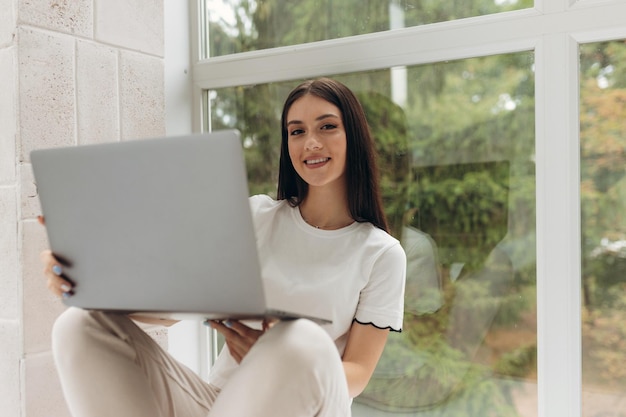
(558, 228)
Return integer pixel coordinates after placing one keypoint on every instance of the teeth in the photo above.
(316, 161)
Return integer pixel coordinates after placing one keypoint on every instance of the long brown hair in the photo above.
(362, 177)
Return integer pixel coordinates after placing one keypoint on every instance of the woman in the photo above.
(323, 244)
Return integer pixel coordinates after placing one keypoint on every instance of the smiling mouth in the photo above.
(316, 161)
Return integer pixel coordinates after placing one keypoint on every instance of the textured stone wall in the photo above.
(71, 72)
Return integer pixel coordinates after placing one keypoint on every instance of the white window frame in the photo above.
(554, 29)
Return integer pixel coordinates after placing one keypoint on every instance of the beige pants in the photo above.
(108, 366)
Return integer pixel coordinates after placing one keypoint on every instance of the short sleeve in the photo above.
(260, 202)
(381, 302)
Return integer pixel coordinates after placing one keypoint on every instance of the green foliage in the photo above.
(467, 209)
(603, 144)
(260, 24)
(432, 376)
(518, 300)
(255, 112)
(603, 208)
(435, 360)
(518, 362)
(604, 341)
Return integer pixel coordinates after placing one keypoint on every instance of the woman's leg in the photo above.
(292, 370)
(108, 366)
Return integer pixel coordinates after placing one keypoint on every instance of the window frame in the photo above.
(553, 29)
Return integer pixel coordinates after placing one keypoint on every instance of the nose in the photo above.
(312, 143)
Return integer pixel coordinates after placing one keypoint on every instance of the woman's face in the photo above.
(317, 141)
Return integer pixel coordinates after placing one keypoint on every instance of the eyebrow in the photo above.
(322, 117)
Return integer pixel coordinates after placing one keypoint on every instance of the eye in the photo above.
(296, 132)
(328, 126)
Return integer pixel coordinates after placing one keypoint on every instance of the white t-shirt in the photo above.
(354, 273)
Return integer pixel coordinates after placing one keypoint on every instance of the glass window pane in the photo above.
(603, 211)
(456, 149)
(247, 25)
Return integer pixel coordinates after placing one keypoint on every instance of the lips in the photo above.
(316, 161)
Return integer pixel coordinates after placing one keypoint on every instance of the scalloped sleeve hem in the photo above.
(370, 323)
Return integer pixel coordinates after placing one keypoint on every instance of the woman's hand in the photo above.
(239, 337)
(53, 271)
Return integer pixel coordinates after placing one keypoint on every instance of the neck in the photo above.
(326, 210)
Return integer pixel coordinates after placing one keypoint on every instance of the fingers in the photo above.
(53, 271)
(239, 337)
(269, 323)
(57, 283)
(235, 328)
(242, 329)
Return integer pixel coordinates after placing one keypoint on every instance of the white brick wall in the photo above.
(142, 100)
(97, 92)
(136, 24)
(73, 72)
(7, 22)
(10, 324)
(7, 114)
(46, 90)
(64, 16)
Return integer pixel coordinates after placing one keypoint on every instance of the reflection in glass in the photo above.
(603, 210)
(456, 154)
(247, 25)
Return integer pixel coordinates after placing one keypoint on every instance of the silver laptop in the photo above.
(161, 226)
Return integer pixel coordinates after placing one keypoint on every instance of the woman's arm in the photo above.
(363, 350)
